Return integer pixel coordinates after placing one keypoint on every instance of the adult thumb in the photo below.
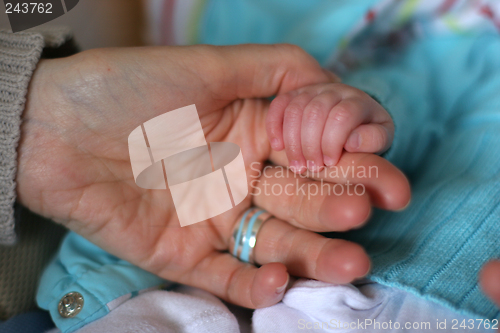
(256, 71)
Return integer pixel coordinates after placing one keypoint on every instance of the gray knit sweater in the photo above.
(19, 55)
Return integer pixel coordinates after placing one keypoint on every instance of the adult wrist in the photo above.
(19, 55)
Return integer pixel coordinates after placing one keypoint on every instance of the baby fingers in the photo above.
(292, 123)
(313, 123)
(342, 120)
(356, 124)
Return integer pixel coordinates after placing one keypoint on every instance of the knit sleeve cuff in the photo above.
(19, 55)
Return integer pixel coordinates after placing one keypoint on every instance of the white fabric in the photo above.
(309, 306)
(313, 306)
(187, 310)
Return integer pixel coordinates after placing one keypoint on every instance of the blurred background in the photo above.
(101, 23)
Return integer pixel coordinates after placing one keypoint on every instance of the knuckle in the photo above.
(343, 113)
(315, 111)
(231, 283)
(297, 208)
(324, 251)
(294, 109)
(347, 111)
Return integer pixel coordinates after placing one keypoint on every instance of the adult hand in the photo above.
(74, 165)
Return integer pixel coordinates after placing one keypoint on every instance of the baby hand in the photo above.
(316, 123)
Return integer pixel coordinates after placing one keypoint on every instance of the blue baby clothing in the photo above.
(439, 78)
(103, 280)
(440, 81)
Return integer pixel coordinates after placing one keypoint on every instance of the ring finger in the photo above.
(310, 255)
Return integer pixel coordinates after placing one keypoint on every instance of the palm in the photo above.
(74, 164)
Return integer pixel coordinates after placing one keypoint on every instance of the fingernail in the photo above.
(296, 167)
(354, 140)
(275, 144)
(328, 160)
(279, 290)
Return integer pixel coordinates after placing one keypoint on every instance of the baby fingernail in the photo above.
(354, 140)
(295, 166)
(279, 290)
(328, 160)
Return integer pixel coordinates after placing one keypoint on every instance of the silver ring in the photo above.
(245, 232)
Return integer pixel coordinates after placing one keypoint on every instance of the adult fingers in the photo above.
(310, 255)
(239, 283)
(315, 205)
(386, 185)
(280, 248)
